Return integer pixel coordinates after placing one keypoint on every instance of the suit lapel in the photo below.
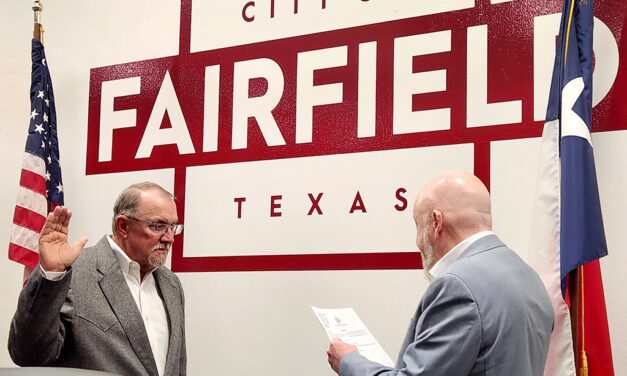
(115, 289)
(171, 299)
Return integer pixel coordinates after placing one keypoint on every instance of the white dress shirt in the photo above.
(452, 255)
(149, 303)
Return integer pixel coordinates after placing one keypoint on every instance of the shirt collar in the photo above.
(452, 255)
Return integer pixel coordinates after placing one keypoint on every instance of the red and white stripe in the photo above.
(30, 213)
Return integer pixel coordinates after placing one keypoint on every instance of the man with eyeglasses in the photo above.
(111, 307)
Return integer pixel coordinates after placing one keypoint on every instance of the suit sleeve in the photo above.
(443, 339)
(37, 333)
(183, 359)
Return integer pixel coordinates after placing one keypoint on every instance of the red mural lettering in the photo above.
(239, 201)
(275, 205)
(403, 201)
(358, 204)
(315, 203)
(245, 16)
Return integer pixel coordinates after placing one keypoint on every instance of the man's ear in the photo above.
(438, 223)
(121, 224)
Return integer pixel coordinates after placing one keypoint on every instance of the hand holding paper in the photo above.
(353, 335)
(337, 350)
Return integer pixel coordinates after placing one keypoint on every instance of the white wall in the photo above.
(243, 321)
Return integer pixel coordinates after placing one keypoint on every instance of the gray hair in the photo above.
(128, 200)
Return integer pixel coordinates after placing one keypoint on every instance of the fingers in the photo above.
(62, 219)
(333, 357)
(58, 220)
(333, 345)
(333, 361)
(55, 254)
(49, 221)
(337, 350)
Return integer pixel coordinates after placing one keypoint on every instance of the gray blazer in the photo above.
(488, 313)
(89, 319)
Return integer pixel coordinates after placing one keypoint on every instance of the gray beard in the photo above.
(427, 256)
(157, 259)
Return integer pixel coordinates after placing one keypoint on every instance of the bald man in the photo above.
(485, 312)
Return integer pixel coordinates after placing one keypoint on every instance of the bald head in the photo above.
(452, 207)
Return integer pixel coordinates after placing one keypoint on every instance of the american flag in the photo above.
(41, 187)
(568, 232)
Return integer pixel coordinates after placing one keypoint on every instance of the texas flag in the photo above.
(567, 237)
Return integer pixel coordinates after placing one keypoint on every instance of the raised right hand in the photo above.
(55, 254)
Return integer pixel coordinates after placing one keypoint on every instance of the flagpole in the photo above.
(38, 30)
(574, 284)
(583, 358)
(38, 34)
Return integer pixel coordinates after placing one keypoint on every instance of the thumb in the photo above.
(79, 245)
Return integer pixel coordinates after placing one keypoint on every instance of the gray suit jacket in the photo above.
(89, 319)
(488, 313)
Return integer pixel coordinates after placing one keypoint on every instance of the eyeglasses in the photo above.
(160, 228)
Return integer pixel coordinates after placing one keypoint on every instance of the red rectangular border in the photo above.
(519, 15)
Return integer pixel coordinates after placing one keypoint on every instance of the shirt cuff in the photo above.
(52, 276)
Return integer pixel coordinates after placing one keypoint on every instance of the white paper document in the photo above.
(344, 324)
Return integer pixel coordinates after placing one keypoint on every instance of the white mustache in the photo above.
(165, 246)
